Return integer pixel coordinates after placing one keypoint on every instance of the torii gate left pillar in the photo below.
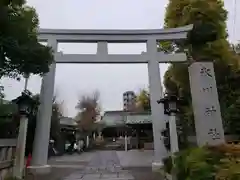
(152, 57)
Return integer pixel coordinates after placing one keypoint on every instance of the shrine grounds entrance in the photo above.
(102, 37)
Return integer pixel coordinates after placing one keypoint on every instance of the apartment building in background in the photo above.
(129, 101)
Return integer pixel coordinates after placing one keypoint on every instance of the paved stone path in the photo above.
(104, 165)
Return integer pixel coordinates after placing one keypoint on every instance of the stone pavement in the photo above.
(102, 165)
(136, 158)
(105, 165)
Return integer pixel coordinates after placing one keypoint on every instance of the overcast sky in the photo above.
(73, 80)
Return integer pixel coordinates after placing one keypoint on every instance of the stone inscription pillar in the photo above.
(206, 107)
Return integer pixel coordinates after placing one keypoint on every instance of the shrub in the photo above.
(233, 149)
(168, 164)
(229, 168)
(206, 163)
(197, 164)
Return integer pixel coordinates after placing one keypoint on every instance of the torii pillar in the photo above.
(39, 160)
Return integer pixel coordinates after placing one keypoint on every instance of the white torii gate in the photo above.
(102, 37)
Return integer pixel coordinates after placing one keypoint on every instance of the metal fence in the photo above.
(7, 155)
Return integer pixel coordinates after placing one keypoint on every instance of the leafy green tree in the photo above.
(143, 101)
(20, 51)
(233, 115)
(8, 119)
(207, 41)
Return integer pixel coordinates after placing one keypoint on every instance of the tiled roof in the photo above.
(113, 119)
(126, 113)
(121, 118)
(115, 112)
(138, 119)
(67, 121)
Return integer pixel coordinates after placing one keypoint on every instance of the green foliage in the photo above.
(232, 115)
(8, 121)
(229, 168)
(20, 51)
(7, 108)
(209, 18)
(206, 163)
(195, 164)
(143, 100)
(190, 164)
(168, 164)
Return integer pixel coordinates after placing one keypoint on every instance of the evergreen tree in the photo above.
(20, 51)
(207, 41)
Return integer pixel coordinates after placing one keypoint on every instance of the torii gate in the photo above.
(102, 37)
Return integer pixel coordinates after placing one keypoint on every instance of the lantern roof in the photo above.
(25, 98)
(169, 98)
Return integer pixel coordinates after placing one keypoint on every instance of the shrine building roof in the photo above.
(122, 118)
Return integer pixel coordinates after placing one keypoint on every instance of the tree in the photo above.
(20, 51)
(89, 111)
(8, 119)
(1, 92)
(143, 101)
(233, 114)
(57, 113)
(209, 18)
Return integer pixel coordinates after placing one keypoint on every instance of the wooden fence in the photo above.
(7, 155)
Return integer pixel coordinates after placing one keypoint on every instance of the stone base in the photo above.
(156, 166)
(45, 169)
